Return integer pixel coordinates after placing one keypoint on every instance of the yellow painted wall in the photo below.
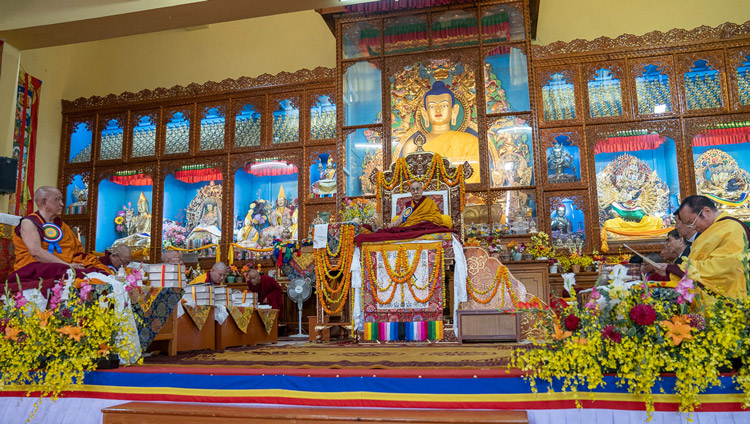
(287, 43)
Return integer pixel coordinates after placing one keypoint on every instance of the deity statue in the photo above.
(138, 226)
(440, 111)
(560, 222)
(325, 186)
(281, 210)
(81, 195)
(558, 160)
(630, 195)
(208, 227)
(719, 177)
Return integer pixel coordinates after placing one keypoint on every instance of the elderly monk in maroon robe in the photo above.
(46, 248)
(268, 290)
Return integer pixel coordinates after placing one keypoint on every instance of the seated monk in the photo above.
(173, 257)
(46, 248)
(216, 275)
(421, 209)
(110, 263)
(268, 289)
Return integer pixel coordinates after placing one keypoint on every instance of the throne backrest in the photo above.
(448, 197)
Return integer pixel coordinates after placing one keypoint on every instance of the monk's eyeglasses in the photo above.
(692, 224)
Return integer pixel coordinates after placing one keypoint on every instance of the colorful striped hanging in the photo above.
(406, 331)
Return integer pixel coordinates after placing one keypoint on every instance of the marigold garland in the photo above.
(323, 270)
(404, 274)
(502, 278)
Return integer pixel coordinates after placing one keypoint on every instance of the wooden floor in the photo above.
(185, 413)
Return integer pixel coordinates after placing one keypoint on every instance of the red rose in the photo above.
(643, 314)
(609, 332)
(571, 322)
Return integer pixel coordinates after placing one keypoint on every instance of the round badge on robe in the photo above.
(52, 235)
(407, 212)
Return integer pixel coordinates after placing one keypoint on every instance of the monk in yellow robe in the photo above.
(216, 275)
(440, 112)
(46, 248)
(421, 209)
(716, 253)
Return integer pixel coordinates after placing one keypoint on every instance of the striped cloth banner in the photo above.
(407, 331)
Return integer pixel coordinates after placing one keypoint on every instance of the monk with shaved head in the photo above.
(217, 275)
(45, 246)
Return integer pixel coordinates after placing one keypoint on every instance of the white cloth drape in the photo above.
(459, 280)
(358, 316)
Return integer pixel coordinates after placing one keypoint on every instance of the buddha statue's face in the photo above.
(561, 211)
(439, 109)
(281, 202)
(143, 206)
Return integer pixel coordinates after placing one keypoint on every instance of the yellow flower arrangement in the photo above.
(638, 335)
(119, 220)
(541, 246)
(48, 351)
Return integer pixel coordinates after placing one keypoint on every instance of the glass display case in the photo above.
(559, 98)
(361, 39)
(110, 139)
(476, 222)
(247, 124)
(506, 87)
(604, 95)
(703, 86)
(322, 118)
(509, 140)
(177, 139)
(567, 217)
(322, 173)
(144, 134)
(743, 81)
(81, 139)
(653, 91)
(285, 122)
(364, 154)
(77, 194)
(362, 94)
(404, 34)
(502, 22)
(123, 215)
(212, 127)
(514, 212)
(455, 28)
(563, 159)
(266, 203)
(192, 210)
(637, 184)
(721, 158)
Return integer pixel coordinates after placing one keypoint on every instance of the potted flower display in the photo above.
(553, 263)
(540, 247)
(516, 250)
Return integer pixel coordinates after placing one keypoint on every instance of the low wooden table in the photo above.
(488, 325)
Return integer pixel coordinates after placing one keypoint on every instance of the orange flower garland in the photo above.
(323, 270)
(502, 277)
(403, 274)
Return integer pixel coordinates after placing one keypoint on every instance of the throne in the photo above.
(449, 194)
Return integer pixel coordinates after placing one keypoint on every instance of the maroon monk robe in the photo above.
(269, 292)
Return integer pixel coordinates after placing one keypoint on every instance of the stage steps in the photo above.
(188, 413)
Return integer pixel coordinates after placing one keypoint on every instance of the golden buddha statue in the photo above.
(138, 226)
(439, 111)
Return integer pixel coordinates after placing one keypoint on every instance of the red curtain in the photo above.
(629, 143)
(499, 50)
(191, 176)
(389, 5)
(131, 180)
(719, 136)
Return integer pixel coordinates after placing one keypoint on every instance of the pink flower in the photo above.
(54, 300)
(685, 290)
(591, 304)
(20, 300)
(84, 291)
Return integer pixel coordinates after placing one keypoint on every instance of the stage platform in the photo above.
(365, 376)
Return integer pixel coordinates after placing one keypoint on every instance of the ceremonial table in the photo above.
(247, 327)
